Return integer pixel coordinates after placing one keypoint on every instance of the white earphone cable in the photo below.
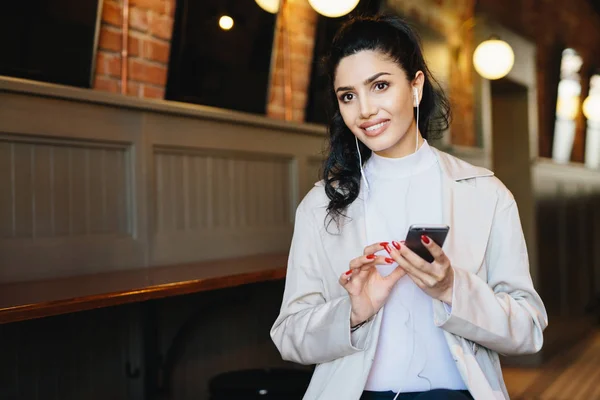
(416, 97)
(362, 172)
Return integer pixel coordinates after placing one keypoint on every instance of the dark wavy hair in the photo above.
(393, 37)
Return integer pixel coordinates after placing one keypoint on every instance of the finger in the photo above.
(435, 250)
(362, 270)
(405, 267)
(422, 273)
(378, 261)
(400, 254)
(346, 277)
(415, 260)
(395, 275)
(368, 261)
(354, 277)
(416, 273)
(418, 281)
(392, 249)
(415, 266)
(374, 248)
(397, 253)
(358, 262)
(365, 267)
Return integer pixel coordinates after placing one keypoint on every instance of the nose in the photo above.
(367, 107)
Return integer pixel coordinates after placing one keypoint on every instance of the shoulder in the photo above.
(459, 169)
(315, 200)
(494, 185)
(481, 178)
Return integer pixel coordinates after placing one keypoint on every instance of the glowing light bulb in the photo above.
(226, 22)
(493, 59)
(333, 8)
(271, 6)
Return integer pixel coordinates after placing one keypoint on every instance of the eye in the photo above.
(379, 86)
(346, 97)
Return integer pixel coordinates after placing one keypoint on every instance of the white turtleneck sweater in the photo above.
(412, 354)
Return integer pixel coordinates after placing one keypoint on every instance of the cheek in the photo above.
(398, 106)
(408, 107)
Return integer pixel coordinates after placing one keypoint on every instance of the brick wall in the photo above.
(300, 20)
(150, 28)
(449, 18)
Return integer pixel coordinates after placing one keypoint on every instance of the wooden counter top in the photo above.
(29, 300)
(43, 89)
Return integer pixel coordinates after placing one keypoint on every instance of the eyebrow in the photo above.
(366, 82)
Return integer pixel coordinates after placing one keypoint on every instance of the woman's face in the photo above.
(376, 102)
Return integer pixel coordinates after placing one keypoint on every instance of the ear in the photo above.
(418, 82)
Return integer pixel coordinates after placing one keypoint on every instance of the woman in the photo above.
(378, 321)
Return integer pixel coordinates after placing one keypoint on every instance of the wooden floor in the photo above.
(574, 375)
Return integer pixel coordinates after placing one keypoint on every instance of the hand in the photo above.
(368, 290)
(435, 278)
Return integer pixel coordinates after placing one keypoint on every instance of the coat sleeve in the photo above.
(311, 328)
(505, 314)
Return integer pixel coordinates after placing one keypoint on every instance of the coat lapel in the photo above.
(348, 241)
(468, 211)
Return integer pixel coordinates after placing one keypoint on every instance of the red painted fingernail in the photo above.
(425, 239)
(387, 248)
(383, 244)
(348, 272)
(396, 245)
(371, 256)
(389, 260)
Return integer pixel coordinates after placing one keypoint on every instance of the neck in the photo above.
(379, 168)
(405, 146)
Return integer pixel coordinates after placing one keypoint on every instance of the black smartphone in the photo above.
(437, 233)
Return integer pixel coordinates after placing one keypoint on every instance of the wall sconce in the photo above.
(271, 6)
(226, 22)
(493, 58)
(333, 8)
(328, 8)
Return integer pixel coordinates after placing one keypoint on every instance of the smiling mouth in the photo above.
(376, 129)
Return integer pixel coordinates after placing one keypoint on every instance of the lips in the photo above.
(374, 128)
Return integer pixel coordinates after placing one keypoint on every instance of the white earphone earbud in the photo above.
(416, 99)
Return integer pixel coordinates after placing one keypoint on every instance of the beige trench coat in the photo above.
(495, 308)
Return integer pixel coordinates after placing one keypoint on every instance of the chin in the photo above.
(382, 142)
